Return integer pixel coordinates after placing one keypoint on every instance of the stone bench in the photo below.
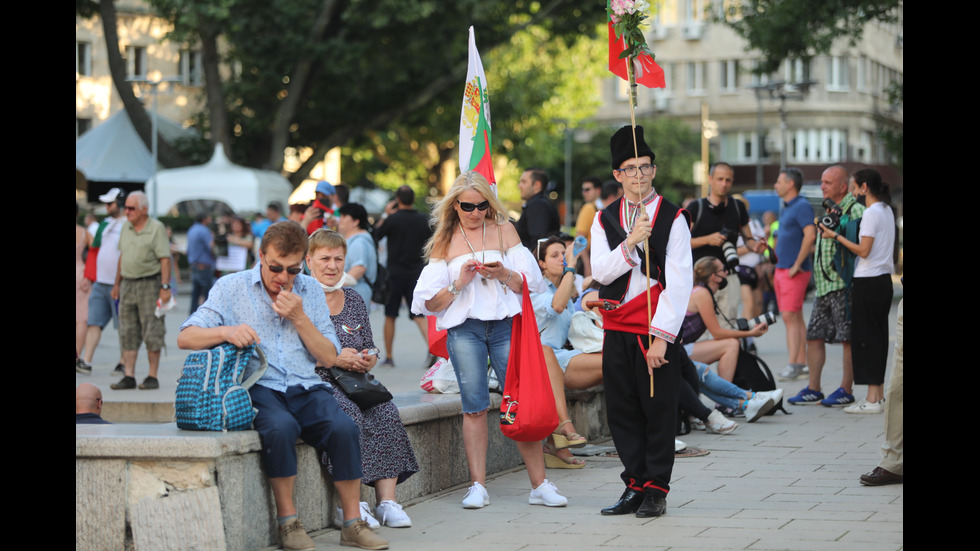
(158, 487)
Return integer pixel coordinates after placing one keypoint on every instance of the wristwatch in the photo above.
(165, 286)
(454, 290)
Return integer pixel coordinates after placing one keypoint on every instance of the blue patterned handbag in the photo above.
(210, 392)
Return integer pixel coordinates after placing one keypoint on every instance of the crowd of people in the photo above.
(648, 299)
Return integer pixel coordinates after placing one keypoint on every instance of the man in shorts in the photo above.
(143, 278)
(407, 231)
(101, 307)
(830, 321)
(794, 242)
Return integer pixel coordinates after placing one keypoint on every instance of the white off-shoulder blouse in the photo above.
(478, 301)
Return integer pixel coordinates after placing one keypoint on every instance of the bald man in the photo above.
(88, 405)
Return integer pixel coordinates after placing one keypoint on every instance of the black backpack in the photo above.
(751, 373)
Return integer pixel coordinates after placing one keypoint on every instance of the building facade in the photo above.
(836, 118)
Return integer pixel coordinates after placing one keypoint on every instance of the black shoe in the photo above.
(119, 370)
(627, 504)
(654, 504)
(125, 383)
(149, 383)
(82, 367)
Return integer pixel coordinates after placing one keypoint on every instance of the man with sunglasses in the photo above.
(285, 312)
(143, 278)
(641, 378)
(539, 218)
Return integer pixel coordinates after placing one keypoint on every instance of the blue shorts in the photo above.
(101, 307)
(470, 345)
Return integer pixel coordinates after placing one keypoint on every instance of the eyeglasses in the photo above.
(470, 207)
(631, 170)
(128, 208)
(295, 270)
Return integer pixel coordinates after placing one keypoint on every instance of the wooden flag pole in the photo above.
(646, 245)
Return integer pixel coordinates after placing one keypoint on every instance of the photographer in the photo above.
(830, 320)
(717, 221)
(872, 287)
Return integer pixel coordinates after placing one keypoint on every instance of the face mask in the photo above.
(346, 280)
(723, 283)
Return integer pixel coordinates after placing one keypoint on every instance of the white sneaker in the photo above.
(719, 424)
(477, 497)
(696, 424)
(391, 514)
(366, 516)
(547, 494)
(865, 406)
(758, 405)
(793, 372)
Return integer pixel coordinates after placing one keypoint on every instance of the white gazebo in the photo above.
(241, 188)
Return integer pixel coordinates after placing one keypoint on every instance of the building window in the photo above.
(797, 70)
(728, 77)
(189, 67)
(837, 74)
(825, 145)
(742, 147)
(696, 78)
(135, 61)
(83, 59)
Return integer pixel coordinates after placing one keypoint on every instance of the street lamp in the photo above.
(782, 91)
(153, 84)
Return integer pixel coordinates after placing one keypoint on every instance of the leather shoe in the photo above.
(654, 504)
(628, 503)
(880, 477)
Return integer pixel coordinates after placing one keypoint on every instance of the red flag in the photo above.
(648, 73)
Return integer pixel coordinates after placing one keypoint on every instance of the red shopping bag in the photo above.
(528, 411)
(437, 339)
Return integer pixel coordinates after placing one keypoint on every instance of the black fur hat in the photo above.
(621, 146)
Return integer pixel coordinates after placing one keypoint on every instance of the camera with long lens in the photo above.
(728, 250)
(832, 219)
(767, 318)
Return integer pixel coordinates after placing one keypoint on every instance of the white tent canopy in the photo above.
(114, 152)
(243, 189)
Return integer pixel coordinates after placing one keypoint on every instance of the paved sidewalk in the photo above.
(785, 482)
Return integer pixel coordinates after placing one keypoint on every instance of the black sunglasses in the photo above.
(470, 207)
(291, 271)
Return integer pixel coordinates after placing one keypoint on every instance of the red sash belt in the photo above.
(632, 316)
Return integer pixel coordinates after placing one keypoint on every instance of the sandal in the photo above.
(573, 440)
(553, 461)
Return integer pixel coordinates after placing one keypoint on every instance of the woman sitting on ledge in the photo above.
(572, 369)
(386, 453)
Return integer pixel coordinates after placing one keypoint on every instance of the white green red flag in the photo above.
(474, 120)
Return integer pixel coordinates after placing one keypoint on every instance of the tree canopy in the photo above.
(786, 29)
(315, 74)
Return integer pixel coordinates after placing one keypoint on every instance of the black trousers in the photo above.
(642, 427)
(872, 299)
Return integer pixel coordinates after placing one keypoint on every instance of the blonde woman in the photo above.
(472, 284)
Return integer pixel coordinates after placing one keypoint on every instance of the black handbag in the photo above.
(362, 388)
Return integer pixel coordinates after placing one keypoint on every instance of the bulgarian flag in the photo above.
(474, 120)
(648, 73)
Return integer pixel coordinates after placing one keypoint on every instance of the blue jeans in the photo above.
(201, 283)
(718, 389)
(470, 345)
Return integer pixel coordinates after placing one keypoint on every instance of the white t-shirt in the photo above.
(877, 222)
(108, 260)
